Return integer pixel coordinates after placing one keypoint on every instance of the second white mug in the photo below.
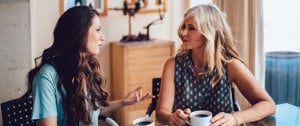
(200, 118)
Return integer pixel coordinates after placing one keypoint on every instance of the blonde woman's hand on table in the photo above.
(179, 117)
(224, 119)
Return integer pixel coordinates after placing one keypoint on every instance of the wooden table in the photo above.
(286, 115)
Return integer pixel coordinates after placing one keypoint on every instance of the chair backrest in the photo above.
(236, 106)
(155, 91)
(17, 112)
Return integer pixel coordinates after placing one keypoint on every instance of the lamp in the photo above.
(161, 17)
(130, 10)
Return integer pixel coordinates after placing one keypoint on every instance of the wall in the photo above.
(14, 47)
(44, 14)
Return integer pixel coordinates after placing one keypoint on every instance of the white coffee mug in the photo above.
(200, 118)
(143, 121)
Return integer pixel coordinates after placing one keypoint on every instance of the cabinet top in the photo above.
(137, 43)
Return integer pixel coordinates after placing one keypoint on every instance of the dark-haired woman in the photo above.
(67, 87)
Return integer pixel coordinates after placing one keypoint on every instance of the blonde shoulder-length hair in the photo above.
(218, 40)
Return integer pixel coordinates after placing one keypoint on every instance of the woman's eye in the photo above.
(98, 29)
(192, 28)
(183, 27)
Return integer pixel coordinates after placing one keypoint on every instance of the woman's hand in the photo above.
(179, 117)
(224, 119)
(136, 96)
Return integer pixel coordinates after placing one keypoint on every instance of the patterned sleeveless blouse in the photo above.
(196, 93)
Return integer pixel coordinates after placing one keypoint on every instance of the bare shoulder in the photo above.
(171, 59)
(170, 62)
(236, 69)
(169, 67)
(235, 64)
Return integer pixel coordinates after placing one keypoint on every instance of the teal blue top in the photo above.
(197, 93)
(47, 101)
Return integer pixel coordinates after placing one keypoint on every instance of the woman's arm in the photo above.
(113, 105)
(130, 99)
(47, 122)
(262, 104)
(166, 93)
(164, 107)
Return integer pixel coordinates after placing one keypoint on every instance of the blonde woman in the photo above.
(202, 74)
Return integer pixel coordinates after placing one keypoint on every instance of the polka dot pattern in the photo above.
(196, 93)
(17, 112)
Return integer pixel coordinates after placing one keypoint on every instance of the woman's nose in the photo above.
(184, 32)
(102, 38)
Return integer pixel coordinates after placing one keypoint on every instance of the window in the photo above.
(281, 25)
(282, 49)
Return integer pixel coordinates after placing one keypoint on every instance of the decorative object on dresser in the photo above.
(134, 64)
(132, 7)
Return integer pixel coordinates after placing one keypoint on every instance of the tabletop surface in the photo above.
(286, 115)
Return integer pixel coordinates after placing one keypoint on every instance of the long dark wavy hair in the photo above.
(77, 68)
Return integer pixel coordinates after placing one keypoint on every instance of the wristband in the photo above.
(236, 121)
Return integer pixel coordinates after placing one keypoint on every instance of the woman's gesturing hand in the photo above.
(135, 96)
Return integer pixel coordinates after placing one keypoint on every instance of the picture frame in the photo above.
(151, 6)
(99, 5)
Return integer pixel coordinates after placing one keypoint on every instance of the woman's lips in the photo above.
(185, 40)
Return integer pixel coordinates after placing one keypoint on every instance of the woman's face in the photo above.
(191, 37)
(95, 36)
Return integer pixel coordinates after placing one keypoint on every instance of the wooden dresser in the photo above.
(135, 64)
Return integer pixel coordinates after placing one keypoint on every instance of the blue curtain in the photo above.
(283, 76)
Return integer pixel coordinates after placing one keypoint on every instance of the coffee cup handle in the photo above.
(188, 122)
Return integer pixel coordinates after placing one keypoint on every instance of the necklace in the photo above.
(199, 70)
